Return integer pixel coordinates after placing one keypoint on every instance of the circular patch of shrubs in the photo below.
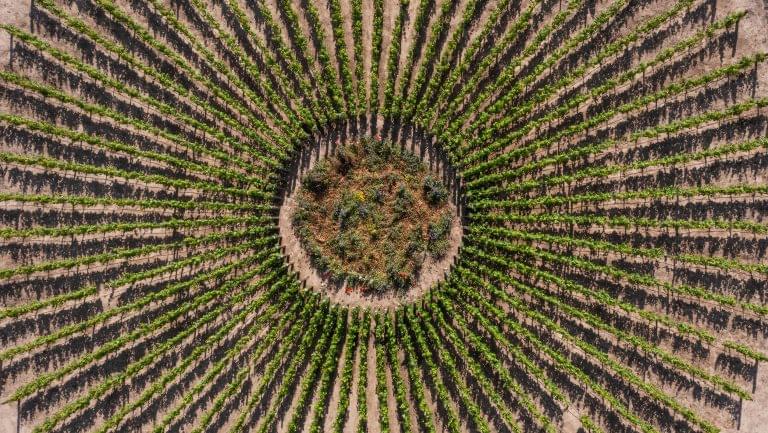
(371, 214)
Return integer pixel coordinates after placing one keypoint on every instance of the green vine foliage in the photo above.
(606, 161)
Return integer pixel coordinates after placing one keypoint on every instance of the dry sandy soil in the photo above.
(14, 12)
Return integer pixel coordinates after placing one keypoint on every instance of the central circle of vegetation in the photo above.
(371, 215)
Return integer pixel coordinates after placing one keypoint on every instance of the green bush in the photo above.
(348, 246)
(347, 159)
(399, 275)
(416, 244)
(318, 177)
(403, 202)
(437, 234)
(435, 191)
(348, 211)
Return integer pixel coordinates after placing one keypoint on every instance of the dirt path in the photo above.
(372, 400)
(402, 370)
(353, 418)
(754, 417)
(9, 419)
(332, 409)
(14, 12)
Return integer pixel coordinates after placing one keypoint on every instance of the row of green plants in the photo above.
(288, 130)
(588, 32)
(415, 378)
(595, 120)
(415, 101)
(167, 82)
(440, 391)
(419, 25)
(299, 338)
(536, 100)
(255, 74)
(142, 302)
(219, 337)
(348, 370)
(362, 381)
(635, 279)
(329, 75)
(269, 57)
(115, 174)
(532, 337)
(127, 253)
(456, 113)
(282, 61)
(637, 342)
(428, 115)
(670, 192)
(596, 245)
(477, 372)
(393, 58)
(342, 54)
(223, 172)
(627, 375)
(509, 307)
(319, 368)
(376, 48)
(183, 116)
(288, 323)
(262, 134)
(451, 370)
(199, 300)
(130, 278)
(727, 301)
(398, 384)
(523, 360)
(579, 99)
(117, 379)
(297, 369)
(382, 391)
(357, 37)
(83, 201)
(623, 222)
(483, 186)
(301, 44)
(512, 93)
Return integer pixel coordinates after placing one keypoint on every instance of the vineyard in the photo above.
(606, 162)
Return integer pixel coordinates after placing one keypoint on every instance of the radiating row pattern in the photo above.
(613, 166)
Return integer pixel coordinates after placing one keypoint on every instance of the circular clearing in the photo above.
(370, 218)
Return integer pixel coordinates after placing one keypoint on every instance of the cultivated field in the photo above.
(607, 162)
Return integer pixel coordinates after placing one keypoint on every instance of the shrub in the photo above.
(348, 246)
(399, 275)
(349, 210)
(346, 156)
(416, 244)
(403, 202)
(437, 233)
(435, 192)
(318, 178)
(378, 285)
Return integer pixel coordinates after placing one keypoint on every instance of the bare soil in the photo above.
(14, 12)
